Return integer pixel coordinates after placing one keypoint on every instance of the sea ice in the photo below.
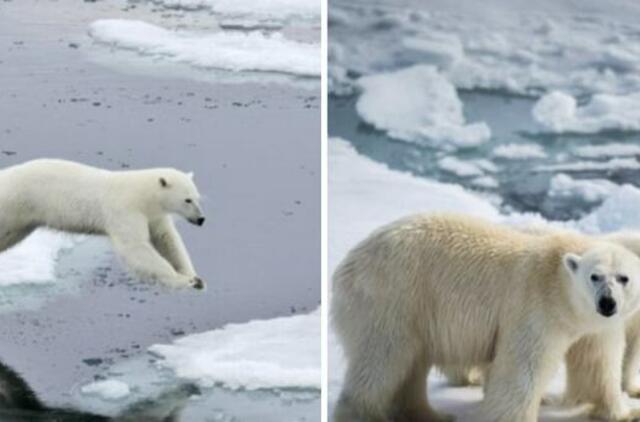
(559, 112)
(418, 104)
(228, 50)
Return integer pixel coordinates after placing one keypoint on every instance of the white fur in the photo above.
(449, 290)
(592, 360)
(131, 207)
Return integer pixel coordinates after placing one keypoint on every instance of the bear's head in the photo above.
(606, 278)
(179, 195)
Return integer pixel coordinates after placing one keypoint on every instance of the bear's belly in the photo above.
(467, 337)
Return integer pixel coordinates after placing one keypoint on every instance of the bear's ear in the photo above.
(163, 182)
(571, 261)
(190, 174)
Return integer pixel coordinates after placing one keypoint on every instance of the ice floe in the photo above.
(560, 112)
(258, 10)
(589, 190)
(263, 354)
(519, 151)
(418, 104)
(541, 47)
(227, 50)
(33, 260)
(107, 389)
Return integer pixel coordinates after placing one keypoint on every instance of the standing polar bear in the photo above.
(133, 208)
(449, 290)
(590, 360)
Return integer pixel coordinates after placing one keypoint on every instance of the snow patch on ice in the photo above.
(232, 51)
(519, 151)
(541, 47)
(608, 150)
(559, 112)
(418, 104)
(263, 354)
(590, 190)
(252, 9)
(34, 259)
(107, 389)
(466, 168)
(613, 164)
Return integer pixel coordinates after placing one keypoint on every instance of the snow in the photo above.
(233, 51)
(519, 151)
(608, 150)
(466, 168)
(591, 190)
(253, 9)
(613, 164)
(418, 104)
(559, 112)
(365, 195)
(262, 354)
(107, 389)
(517, 47)
(34, 259)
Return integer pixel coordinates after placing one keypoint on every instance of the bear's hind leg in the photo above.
(13, 236)
(374, 378)
(411, 401)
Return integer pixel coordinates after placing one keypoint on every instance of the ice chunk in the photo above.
(418, 104)
(108, 389)
(559, 112)
(519, 151)
(460, 167)
(277, 353)
(589, 190)
(254, 9)
(608, 150)
(34, 259)
(233, 51)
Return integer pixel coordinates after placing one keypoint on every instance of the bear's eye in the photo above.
(188, 201)
(595, 278)
(622, 279)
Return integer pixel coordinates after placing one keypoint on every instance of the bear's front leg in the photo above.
(594, 375)
(131, 241)
(169, 244)
(526, 359)
(631, 365)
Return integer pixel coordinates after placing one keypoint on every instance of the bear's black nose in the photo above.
(200, 221)
(607, 306)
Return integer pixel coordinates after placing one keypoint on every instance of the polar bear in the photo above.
(587, 369)
(132, 208)
(451, 290)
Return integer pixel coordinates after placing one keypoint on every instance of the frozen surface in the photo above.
(107, 389)
(252, 9)
(34, 260)
(234, 51)
(264, 368)
(517, 47)
(418, 104)
(519, 151)
(560, 112)
(613, 149)
(590, 190)
(276, 353)
(365, 195)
